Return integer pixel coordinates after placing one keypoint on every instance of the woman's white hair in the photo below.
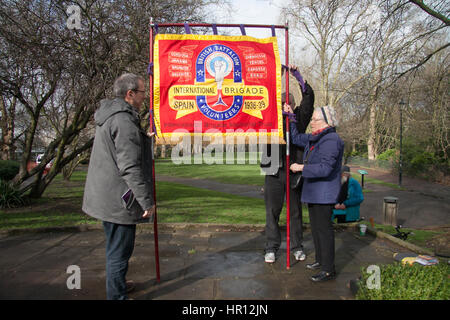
(328, 114)
(127, 81)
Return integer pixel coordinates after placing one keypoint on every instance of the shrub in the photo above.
(8, 169)
(405, 282)
(10, 197)
(388, 155)
(417, 161)
(420, 162)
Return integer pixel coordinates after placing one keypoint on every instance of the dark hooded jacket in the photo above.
(303, 115)
(120, 161)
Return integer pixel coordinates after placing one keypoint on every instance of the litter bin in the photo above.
(390, 210)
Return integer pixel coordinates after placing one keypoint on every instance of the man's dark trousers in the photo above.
(274, 197)
(323, 234)
(119, 248)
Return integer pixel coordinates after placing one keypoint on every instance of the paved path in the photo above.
(204, 261)
(196, 262)
(420, 204)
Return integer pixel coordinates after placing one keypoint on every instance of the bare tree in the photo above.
(439, 5)
(363, 48)
(59, 75)
(332, 28)
(437, 12)
(430, 107)
(402, 38)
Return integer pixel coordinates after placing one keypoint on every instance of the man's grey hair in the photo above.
(127, 81)
(291, 99)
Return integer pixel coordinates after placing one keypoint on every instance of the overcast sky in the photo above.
(254, 12)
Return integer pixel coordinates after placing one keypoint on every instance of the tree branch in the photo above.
(430, 11)
(424, 60)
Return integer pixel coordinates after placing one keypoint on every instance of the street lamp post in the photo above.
(400, 162)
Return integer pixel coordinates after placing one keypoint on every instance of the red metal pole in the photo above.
(155, 222)
(288, 207)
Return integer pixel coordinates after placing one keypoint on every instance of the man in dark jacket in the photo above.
(273, 164)
(119, 189)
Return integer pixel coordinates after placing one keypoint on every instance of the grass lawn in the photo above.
(417, 237)
(357, 177)
(61, 206)
(226, 173)
(181, 203)
(249, 174)
(61, 202)
(25, 219)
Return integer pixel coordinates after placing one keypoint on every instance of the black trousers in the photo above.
(274, 197)
(323, 234)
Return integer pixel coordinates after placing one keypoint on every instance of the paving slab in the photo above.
(197, 262)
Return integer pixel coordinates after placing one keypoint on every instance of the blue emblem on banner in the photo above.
(218, 61)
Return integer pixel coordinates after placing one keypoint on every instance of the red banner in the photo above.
(216, 86)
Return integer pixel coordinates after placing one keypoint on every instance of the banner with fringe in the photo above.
(217, 86)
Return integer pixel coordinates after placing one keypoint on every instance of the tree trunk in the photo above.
(69, 169)
(26, 156)
(8, 148)
(372, 146)
(371, 139)
(38, 188)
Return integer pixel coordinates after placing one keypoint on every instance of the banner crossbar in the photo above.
(218, 25)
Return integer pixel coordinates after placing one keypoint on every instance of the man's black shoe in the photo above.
(130, 285)
(313, 266)
(323, 276)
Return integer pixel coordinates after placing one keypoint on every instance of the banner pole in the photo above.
(287, 120)
(155, 221)
(288, 207)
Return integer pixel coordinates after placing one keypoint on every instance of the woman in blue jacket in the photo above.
(321, 173)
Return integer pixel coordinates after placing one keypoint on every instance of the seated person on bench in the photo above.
(350, 197)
